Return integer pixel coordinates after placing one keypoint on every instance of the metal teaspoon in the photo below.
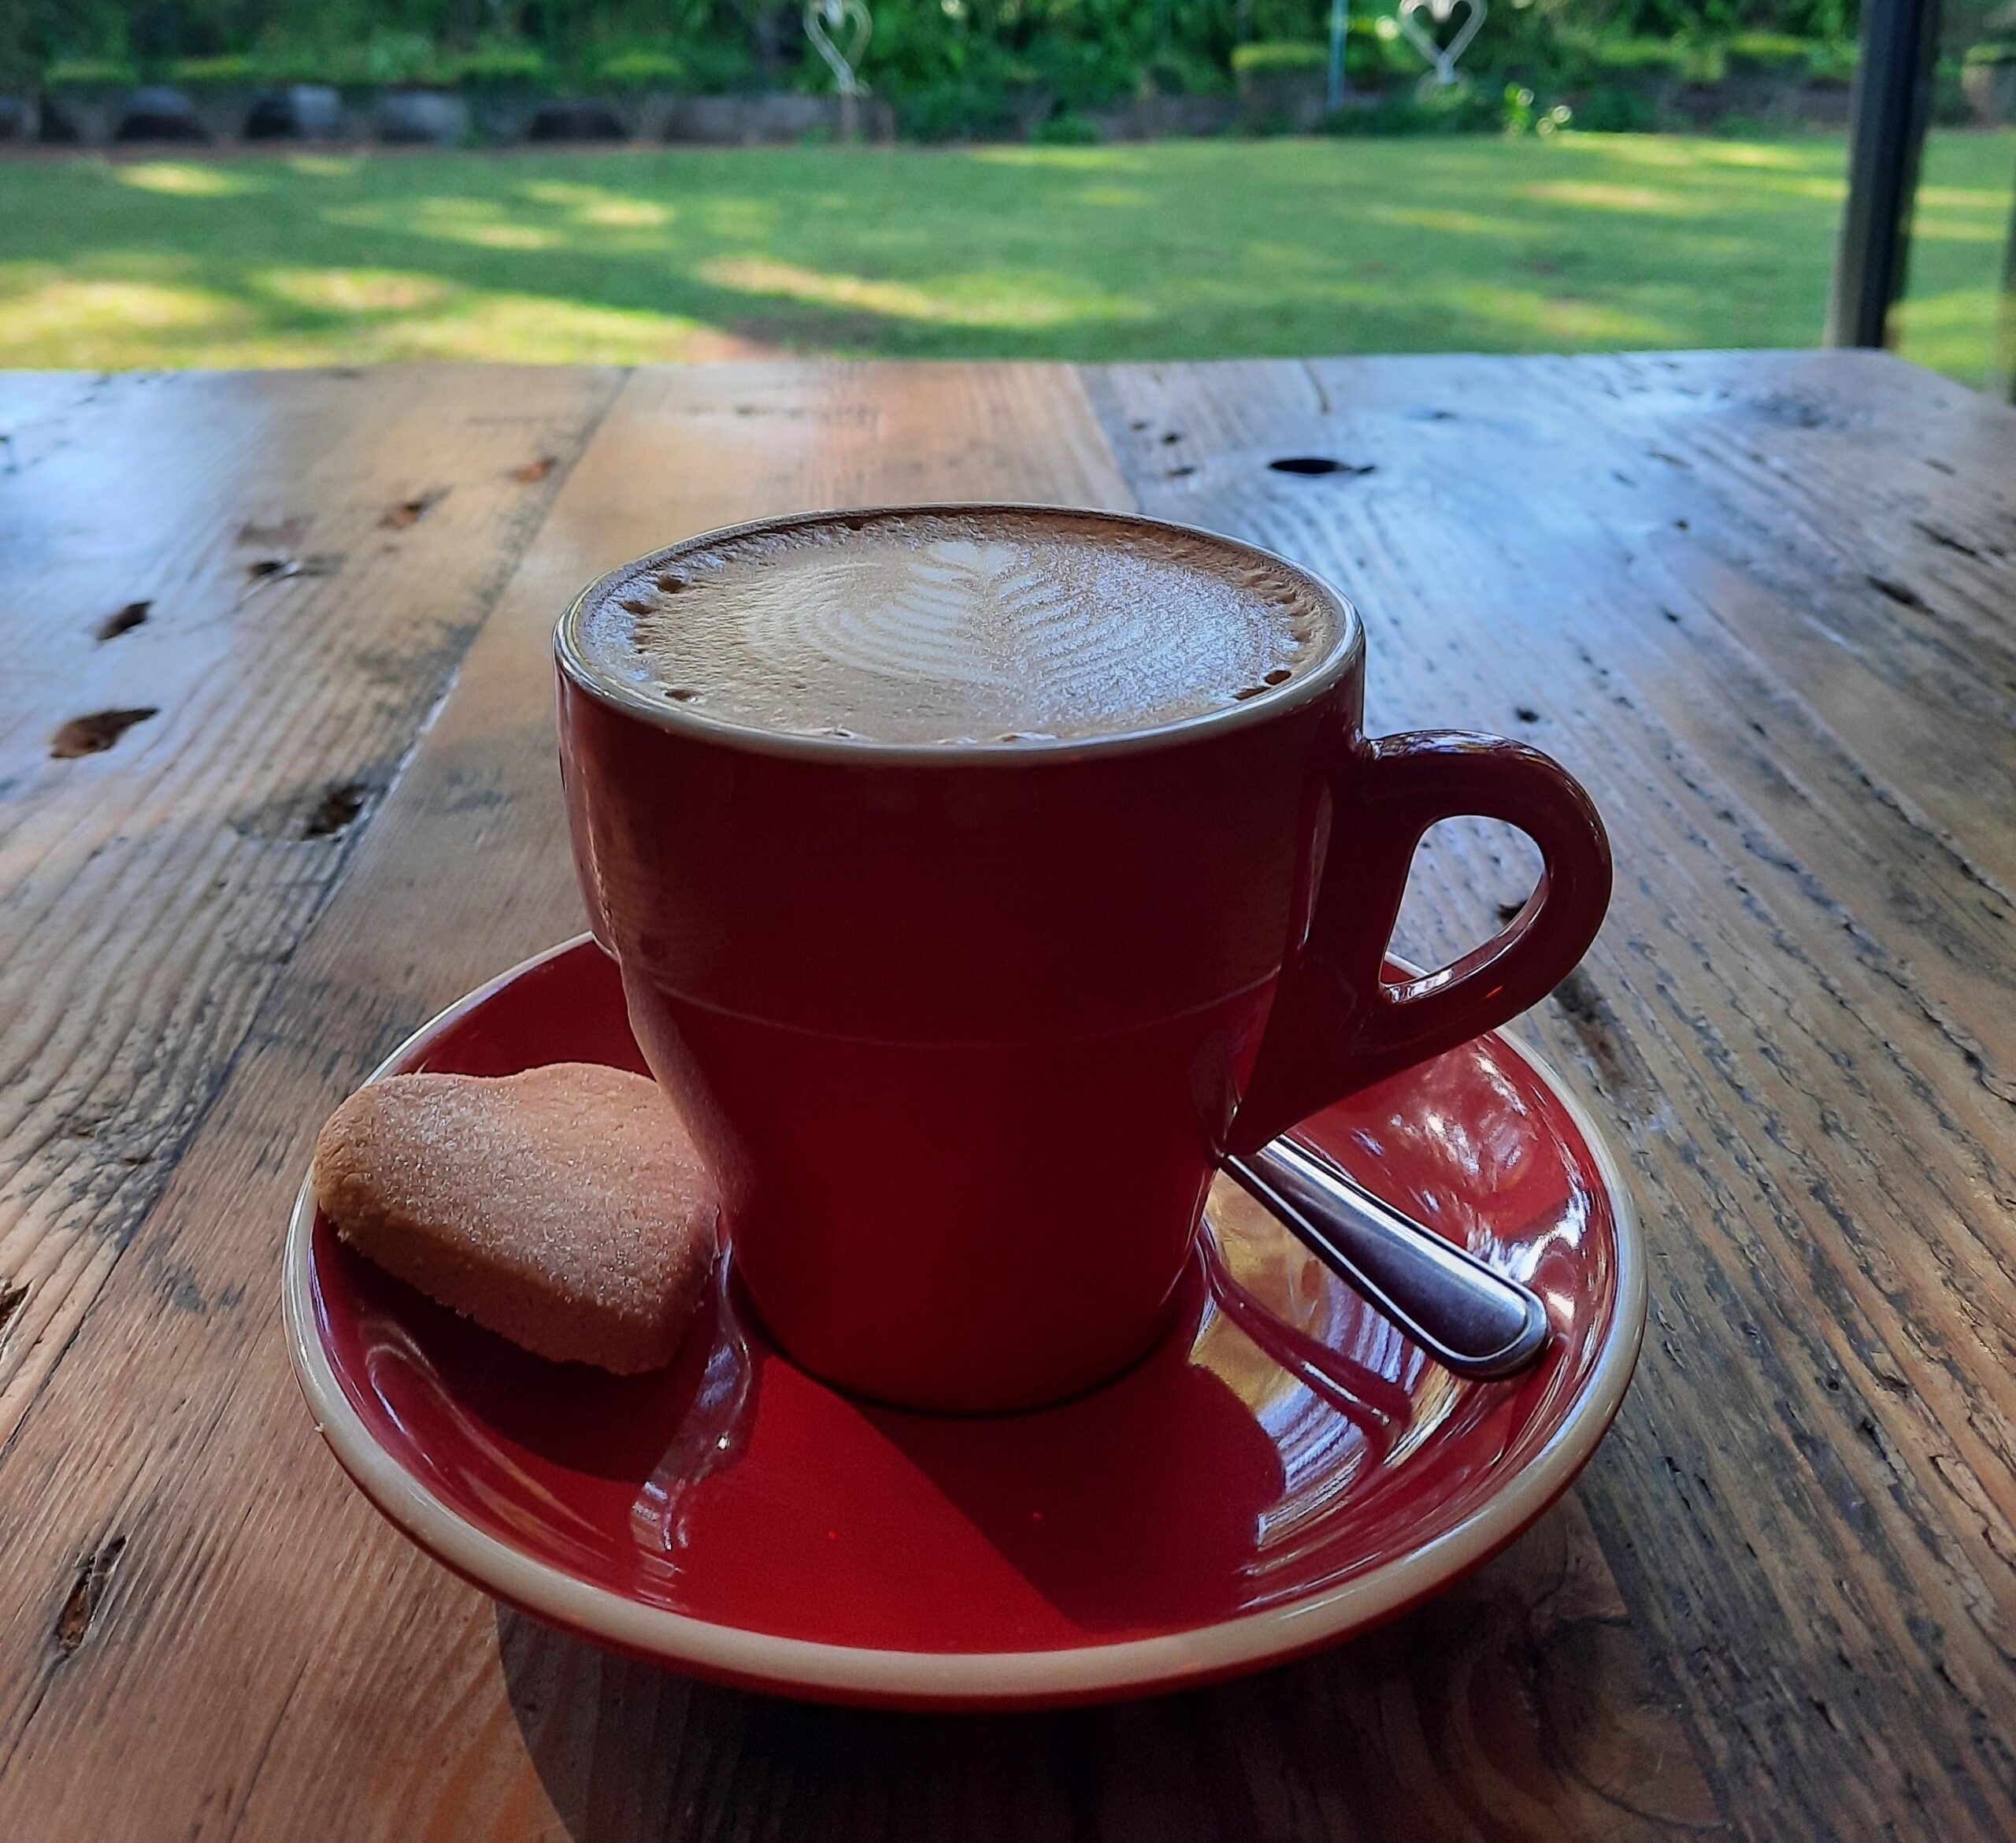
(1471, 1318)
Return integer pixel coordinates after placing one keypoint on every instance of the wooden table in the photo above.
(277, 781)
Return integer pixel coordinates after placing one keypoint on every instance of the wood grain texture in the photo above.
(1761, 603)
(1763, 606)
(173, 1427)
(217, 653)
(1518, 1705)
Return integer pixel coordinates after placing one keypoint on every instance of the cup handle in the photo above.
(1338, 1024)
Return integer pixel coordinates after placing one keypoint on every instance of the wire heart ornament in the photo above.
(824, 18)
(1441, 57)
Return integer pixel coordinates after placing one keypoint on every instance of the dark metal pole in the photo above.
(2005, 318)
(1892, 106)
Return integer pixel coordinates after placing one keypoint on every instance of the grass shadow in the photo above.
(1171, 251)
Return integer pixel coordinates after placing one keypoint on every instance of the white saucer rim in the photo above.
(806, 1666)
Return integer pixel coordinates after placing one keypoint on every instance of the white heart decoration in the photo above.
(1442, 57)
(851, 16)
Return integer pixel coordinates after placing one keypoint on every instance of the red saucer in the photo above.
(1245, 1495)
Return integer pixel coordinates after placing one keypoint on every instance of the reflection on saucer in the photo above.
(1283, 1444)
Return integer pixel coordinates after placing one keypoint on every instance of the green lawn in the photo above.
(1178, 250)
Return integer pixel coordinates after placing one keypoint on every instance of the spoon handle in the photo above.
(1470, 1318)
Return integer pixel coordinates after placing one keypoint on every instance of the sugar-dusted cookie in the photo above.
(564, 1208)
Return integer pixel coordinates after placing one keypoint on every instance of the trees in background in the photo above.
(952, 66)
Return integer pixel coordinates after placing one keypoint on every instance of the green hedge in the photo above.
(952, 67)
(397, 60)
(1278, 59)
(198, 73)
(1653, 57)
(497, 66)
(639, 67)
(1178, 70)
(1768, 53)
(81, 73)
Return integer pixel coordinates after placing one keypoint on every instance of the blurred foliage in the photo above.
(1084, 52)
(983, 68)
(1271, 55)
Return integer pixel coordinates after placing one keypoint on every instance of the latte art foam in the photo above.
(961, 626)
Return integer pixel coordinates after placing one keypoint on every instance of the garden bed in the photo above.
(159, 113)
(1525, 71)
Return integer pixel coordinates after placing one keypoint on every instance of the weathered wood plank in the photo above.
(367, 1696)
(1519, 1705)
(1780, 1603)
(224, 624)
(258, 1637)
(1800, 1019)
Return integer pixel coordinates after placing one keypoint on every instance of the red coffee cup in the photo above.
(964, 1030)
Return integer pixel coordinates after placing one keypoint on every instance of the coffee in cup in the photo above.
(957, 628)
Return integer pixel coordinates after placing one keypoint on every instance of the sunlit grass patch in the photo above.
(1952, 331)
(1451, 222)
(527, 329)
(1607, 195)
(355, 291)
(1965, 199)
(1558, 321)
(997, 300)
(1928, 228)
(1061, 159)
(486, 222)
(324, 166)
(596, 205)
(185, 178)
(1173, 250)
(50, 319)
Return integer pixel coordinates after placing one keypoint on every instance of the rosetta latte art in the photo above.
(958, 628)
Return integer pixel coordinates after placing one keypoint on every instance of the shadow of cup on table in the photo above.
(1520, 1703)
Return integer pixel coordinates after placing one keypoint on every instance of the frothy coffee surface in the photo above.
(956, 628)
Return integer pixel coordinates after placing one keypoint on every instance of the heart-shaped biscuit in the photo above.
(564, 1208)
